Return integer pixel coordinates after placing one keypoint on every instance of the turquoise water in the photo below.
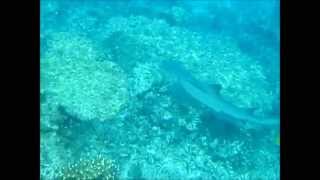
(143, 89)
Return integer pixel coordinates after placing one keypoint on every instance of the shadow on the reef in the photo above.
(74, 132)
(135, 172)
(218, 127)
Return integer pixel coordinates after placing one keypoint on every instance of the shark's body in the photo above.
(211, 97)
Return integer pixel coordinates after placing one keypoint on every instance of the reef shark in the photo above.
(210, 96)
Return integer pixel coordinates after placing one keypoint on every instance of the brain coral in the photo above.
(82, 81)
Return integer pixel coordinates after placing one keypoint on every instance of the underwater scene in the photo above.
(159, 90)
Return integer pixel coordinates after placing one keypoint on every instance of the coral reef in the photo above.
(213, 59)
(83, 84)
(144, 77)
(89, 169)
(109, 112)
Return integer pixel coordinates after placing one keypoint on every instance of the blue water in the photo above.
(111, 109)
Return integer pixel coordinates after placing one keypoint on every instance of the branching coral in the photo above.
(89, 169)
